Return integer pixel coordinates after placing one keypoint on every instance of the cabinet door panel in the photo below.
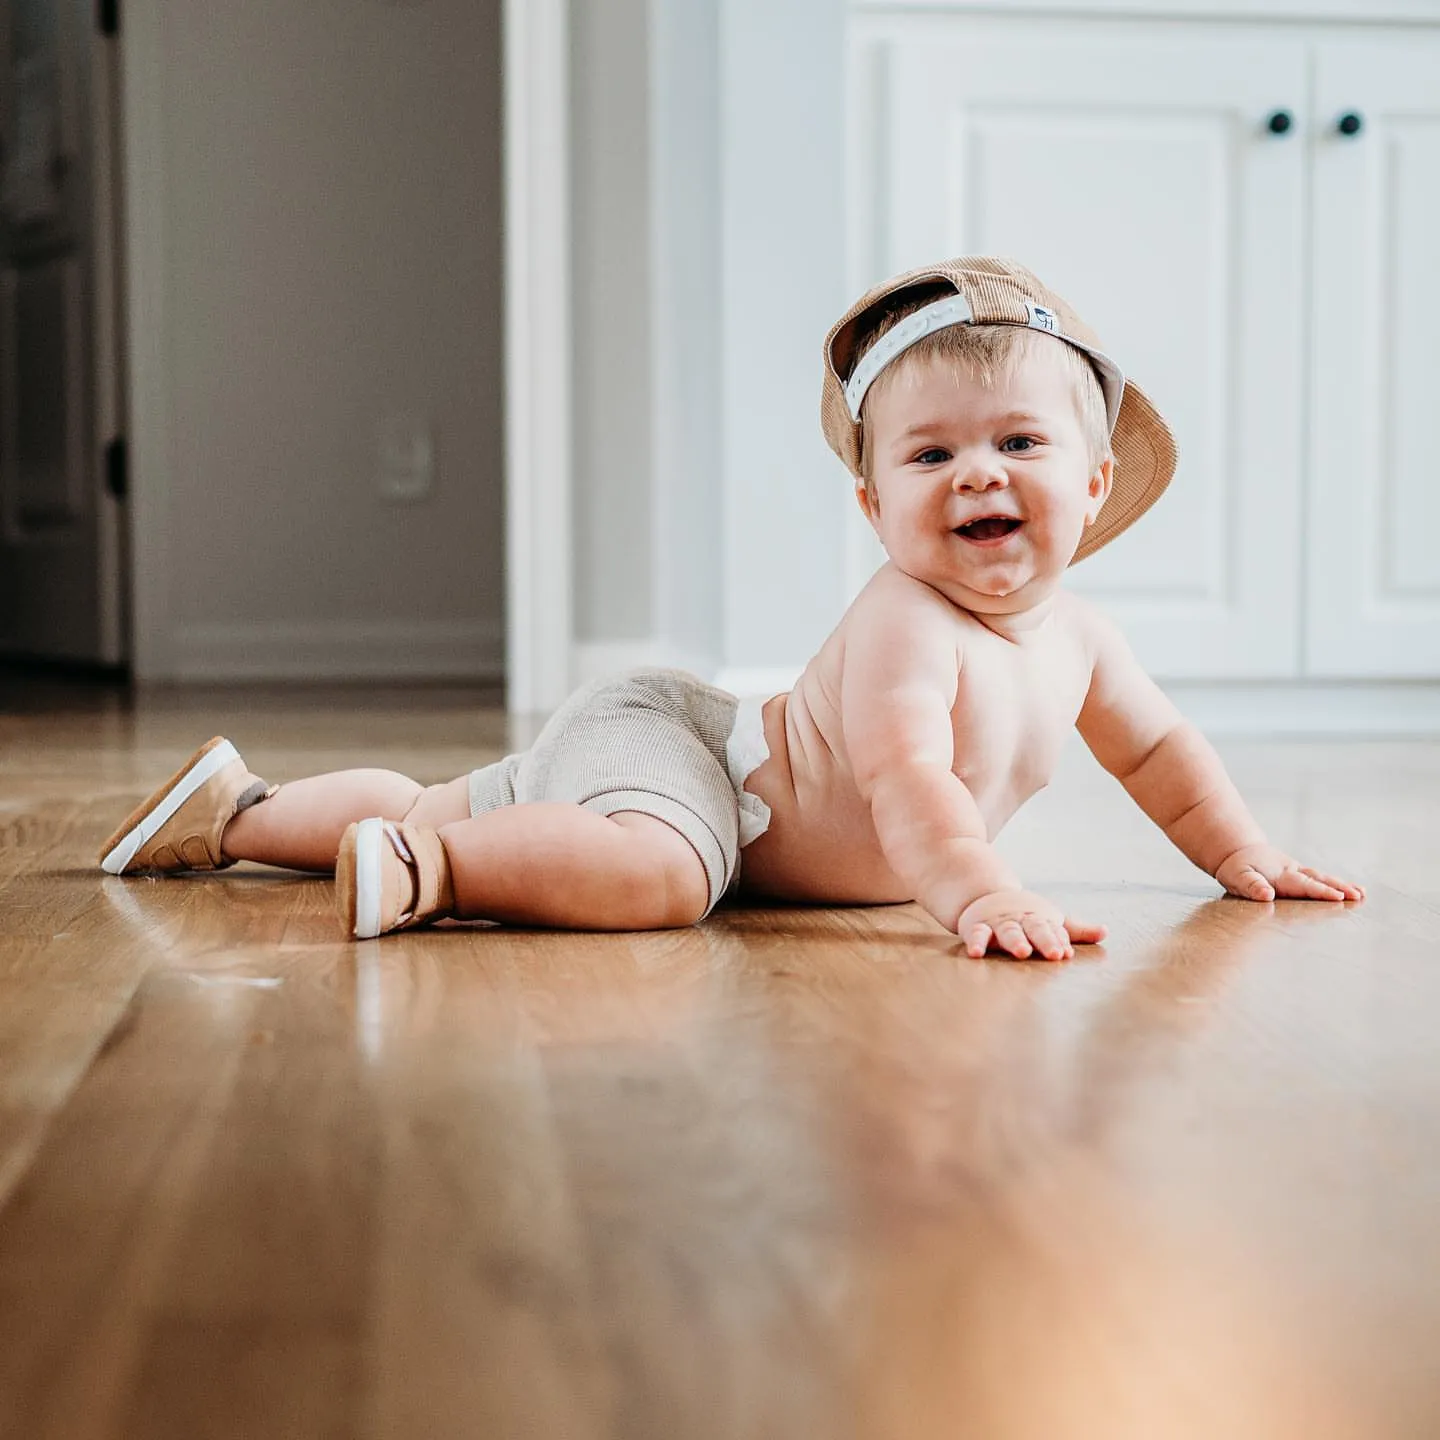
(1131, 169)
(1373, 516)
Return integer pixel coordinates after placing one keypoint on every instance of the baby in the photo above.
(993, 445)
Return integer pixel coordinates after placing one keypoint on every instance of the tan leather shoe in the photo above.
(179, 826)
(391, 876)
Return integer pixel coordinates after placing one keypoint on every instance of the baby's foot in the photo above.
(179, 826)
(390, 876)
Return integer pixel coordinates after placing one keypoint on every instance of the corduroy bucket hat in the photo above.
(984, 290)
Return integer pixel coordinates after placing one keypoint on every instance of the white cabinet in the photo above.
(1275, 287)
(1373, 501)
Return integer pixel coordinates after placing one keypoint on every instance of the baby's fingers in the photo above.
(1250, 884)
(1346, 889)
(1012, 937)
(1082, 933)
(1029, 934)
(1048, 938)
(977, 942)
(1306, 885)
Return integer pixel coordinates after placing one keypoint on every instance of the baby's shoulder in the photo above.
(1083, 621)
(895, 631)
(891, 596)
(1076, 609)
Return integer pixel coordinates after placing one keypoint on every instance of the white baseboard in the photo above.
(1335, 709)
(339, 650)
(594, 660)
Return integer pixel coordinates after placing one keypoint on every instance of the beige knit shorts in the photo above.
(661, 742)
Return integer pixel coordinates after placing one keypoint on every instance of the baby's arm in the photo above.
(901, 674)
(1174, 775)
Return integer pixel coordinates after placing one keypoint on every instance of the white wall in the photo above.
(687, 330)
(610, 209)
(708, 150)
(645, 209)
(783, 169)
(315, 242)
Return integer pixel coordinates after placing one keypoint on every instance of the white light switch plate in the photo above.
(405, 456)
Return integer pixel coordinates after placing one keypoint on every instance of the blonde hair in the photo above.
(987, 353)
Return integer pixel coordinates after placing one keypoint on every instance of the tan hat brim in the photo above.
(1145, 457)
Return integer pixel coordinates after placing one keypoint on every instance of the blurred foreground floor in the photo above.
(793, 1173)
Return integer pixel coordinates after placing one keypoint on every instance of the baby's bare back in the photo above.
(1015, 700)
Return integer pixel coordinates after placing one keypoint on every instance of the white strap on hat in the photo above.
(955, 310)
(939, 315)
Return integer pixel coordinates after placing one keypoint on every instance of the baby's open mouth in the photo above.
(989, 527)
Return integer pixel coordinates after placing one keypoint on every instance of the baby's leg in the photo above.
(558, 864)
(300, 825)
(536, 846)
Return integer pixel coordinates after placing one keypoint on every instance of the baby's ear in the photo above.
(1100, 483)
(869, 507)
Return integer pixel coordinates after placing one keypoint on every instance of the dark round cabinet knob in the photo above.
(1349, 123)
(1279, 122)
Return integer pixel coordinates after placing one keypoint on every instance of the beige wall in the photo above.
(324, 248)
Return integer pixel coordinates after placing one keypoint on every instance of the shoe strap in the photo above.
(434, 894)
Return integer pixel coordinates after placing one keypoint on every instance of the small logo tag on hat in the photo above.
(1043, 319)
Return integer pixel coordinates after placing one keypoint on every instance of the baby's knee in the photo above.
(685, 890)
(667, 887)
(438, 805)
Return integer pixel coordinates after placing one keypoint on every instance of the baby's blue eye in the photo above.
(1018, 444)
(933, 456)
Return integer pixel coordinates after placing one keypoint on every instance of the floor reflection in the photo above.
(1016, 1277)
(733, 1189)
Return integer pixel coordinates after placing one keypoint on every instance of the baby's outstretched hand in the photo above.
(1022, 924)
(1261, 872)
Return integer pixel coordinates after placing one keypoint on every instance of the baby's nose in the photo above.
(981, 478)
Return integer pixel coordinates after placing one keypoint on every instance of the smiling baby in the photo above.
(993, 444)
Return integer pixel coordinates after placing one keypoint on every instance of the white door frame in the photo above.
(538, 350)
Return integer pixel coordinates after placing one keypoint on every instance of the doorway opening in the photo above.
(63, 456)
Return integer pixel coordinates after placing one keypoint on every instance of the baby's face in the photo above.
(983, 492)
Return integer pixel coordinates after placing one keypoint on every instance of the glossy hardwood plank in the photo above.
(86, 1235)
(65, 976)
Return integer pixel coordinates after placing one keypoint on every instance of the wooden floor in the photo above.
(793, 1173)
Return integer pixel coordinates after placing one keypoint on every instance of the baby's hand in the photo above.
(1019, 923)
(1261, 872)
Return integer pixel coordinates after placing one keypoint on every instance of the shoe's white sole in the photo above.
(369, 837)
(210, 763)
